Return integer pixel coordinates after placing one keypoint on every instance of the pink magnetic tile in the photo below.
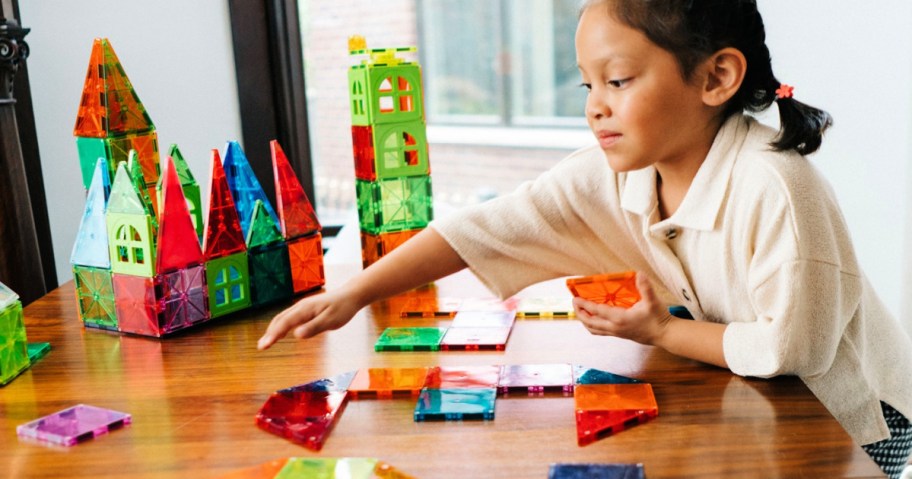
(72, 425)
(451, 377)
(488, 304)
(484, 319)
(476, 338)
(386, 382)
(536, 378)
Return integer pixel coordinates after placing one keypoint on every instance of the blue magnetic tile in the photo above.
(336, 383)
(586, 375)
(455, 404)
(91, 246)
(244, 186)
(596, 471)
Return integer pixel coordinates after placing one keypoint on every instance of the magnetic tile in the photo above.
(7, 296)
(328, 468)
(296, 214)
(596, 471)
(386, 382)
(433, 307)
(488, 304)
(266, 470)
(612, 289)
(451, 377)
(410, 339)
(586, 375)
(73, 425)
(304, 417)
(474, 339)
(606, 409)
(337, 383)
(37, 351)
(535, 378)
(455, 404)
(545, 308)
(484, 319)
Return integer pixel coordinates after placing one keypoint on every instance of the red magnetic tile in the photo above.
(605, 409)
(134, 300)
(296, 214)
(384, 383)
(448, 377)
(363, 149)
(612, 289)
(178, 245)
(223, 235)
(304, 417)
(306, 259)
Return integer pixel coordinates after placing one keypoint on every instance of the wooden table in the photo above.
(193, 398)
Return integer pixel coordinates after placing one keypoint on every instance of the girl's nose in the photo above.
(596, 107)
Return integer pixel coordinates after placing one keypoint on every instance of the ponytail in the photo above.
(801, 126)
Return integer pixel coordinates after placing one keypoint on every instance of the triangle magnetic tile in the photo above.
(136, 174)
(535, 378)
(180, 164)
(263, 229)
(586, 375)
(7, 296)
(336, 383)
(178, 245)
(222, 235)
(91, 246)
(296, 213)
(304, 417)
(124, 197)
(384, 383)
(617, 290)
(605, 409)
(455, 404)
(244, 186)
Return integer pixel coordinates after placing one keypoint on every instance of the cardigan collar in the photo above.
(703, 201)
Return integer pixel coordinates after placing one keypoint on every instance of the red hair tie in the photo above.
(785, 91)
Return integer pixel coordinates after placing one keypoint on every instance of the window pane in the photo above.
(459, 52)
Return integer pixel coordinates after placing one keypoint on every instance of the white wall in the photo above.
(855, 61)
(178, 55)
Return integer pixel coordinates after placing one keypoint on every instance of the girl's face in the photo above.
(640, 108)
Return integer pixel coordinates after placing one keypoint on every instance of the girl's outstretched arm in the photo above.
(649, 322)
(420, 260)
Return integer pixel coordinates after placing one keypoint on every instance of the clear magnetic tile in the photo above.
(535, 378)
(586, 375)
(545, 308)
(488, 304)
(425, 307)
(484, 319)
(450, 377)
(73, 425)
(410, 339)
(339, 383)
(384, 383)
(37, 351)
(455, 404)
(596, 471)
(7, 296)
(304, 417)
(475, 339)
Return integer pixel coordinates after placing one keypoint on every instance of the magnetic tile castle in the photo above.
(389, 144)
(144, 260)
(606, 403)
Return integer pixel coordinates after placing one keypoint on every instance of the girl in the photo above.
(724, 214)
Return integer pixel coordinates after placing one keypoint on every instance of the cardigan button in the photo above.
(684, 293)
(671, 234)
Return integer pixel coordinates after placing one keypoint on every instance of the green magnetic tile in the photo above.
(37, 351)
(124, 196)
(395, 204)
(131, 242)
(190, 187)
(95, 297)
(400, 149)
(90, 150)
(328, 468)
(410, 339)
(13, 344)
(228, 282)
(270, 274)
(263, 229)
(385, 94)
(455, 404)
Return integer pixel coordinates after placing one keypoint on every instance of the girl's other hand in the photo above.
(644, 322)
(311, 316)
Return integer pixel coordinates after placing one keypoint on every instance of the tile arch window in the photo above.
(229, 287)
(130, 245)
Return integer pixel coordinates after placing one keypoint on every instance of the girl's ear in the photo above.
(725, 72)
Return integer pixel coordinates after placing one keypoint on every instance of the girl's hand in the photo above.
(311, 316)
(645, 322)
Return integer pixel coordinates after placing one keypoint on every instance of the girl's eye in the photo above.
(587, 86)
(619, 83)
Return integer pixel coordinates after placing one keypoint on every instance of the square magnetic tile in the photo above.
(617, 290)
(484, 319)
(410, 339)
(474, 339)
(606, 409)
(545, 308)
(304, 417)
(433, 307)
(451, 377)
(536, 378)
(596, 471)
(488, 304)
(384, 383)
(455, 404)
(73, 425)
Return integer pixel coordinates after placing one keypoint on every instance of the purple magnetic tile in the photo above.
(75, 424)
(484, 319)
(476, 338)
(536, 378)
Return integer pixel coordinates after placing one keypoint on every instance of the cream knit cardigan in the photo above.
(759, 243)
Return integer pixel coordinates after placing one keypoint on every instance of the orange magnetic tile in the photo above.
(306, 259)
(296, 214)
(612, 289)
(266, 470)
(222, 235)
(605, 409)
(178, 245)
(383, 383)
(373, 247)
(430, 307)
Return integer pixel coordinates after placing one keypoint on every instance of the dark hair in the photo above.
(692, 30)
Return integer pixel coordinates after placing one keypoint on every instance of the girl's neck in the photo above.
(673, 178)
